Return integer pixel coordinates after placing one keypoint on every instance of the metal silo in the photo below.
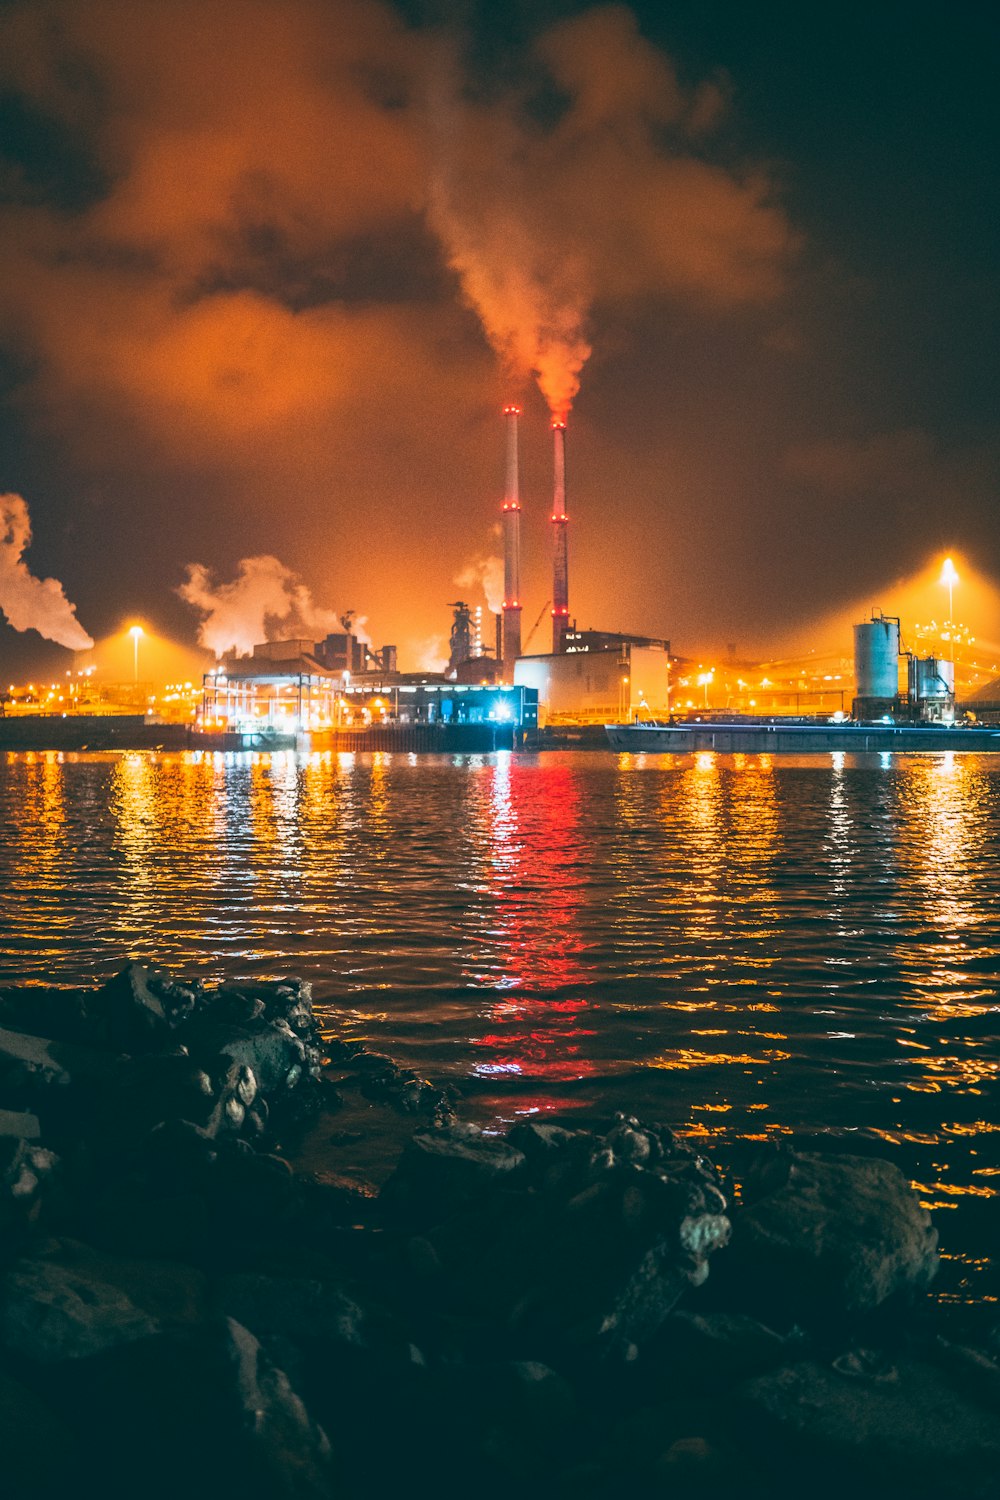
(931, 684)
(876, 658)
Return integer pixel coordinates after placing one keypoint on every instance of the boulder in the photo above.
(51, 1312)
(300, 1309)
(892, 1427)
(39, 1452)
(198, 1412)
(136, 1010)
(19, 1125)
(168, 1290)
(829, 1235)
(444, 1171)
(707, 1351)
(30, 1066)
(591, 1242)
(26, 1171)
(46, 1010)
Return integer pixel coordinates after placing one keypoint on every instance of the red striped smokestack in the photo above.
(511, 550)
(560, 556)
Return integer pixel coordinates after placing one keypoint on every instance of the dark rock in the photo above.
(33, 1067)
(443, 1171)
(26, 1173)
(270, 1050)
(537, 1140)
(372, 1062)
(134, 1011)
(896, 1428)
(970, 1370)
(591, 1245)
(707, 1351)
(168, 1290)
(51, 1312)
(199, 1412)
(676, 1447)
(47, 1011)
(829, 1235)
(298, 1309)
(18, 1124)
(157, 1087)
(39, 1452)
(541, 1401)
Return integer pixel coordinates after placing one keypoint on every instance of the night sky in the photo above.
(270, 268)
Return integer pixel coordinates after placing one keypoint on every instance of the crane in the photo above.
(531, 632)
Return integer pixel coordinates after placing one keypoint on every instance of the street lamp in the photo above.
(135, 632)
(949, 578)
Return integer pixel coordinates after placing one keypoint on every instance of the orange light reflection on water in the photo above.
(533, 943)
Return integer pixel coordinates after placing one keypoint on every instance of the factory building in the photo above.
(617, 682)
(284, 691)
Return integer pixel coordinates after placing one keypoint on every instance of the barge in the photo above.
(775, 738)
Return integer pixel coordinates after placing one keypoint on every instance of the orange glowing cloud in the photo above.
(240, 151)
(243, 310)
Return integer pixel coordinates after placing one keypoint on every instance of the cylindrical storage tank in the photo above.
(876, 658)
(931, 679)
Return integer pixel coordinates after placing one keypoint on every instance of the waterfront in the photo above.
(738, 946)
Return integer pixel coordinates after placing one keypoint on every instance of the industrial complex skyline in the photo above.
(271, 272)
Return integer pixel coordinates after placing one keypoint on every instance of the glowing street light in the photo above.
(949, 578)
(135, 632)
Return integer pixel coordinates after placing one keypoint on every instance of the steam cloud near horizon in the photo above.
(31, 603)
(265, 601)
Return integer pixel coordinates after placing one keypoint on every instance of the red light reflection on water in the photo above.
(532, 835)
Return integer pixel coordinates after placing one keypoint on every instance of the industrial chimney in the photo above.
(560, 558)
(511, 550)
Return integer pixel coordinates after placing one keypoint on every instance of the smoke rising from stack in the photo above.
(602, 196)
(532, 303)
(31, 603)
(265, 601)
(485, 573)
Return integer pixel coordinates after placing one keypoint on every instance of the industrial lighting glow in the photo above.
(949, 578)
(135, 631)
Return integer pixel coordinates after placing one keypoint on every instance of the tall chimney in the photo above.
(560, 557)
(511, 550)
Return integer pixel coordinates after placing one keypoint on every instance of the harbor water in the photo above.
(745, 947)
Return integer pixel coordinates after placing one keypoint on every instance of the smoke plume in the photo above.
(431, 653)
(31, 603)
(589, 183)
(265, 601)
(485, 573)
(531, 302)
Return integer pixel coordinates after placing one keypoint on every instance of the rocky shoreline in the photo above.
(192, 1299)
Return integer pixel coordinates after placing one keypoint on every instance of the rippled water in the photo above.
(742, 946)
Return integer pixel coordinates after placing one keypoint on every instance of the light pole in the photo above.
(949, 578)
(135, 632)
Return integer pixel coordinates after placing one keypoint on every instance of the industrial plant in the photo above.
(495, 692)
(343, 693)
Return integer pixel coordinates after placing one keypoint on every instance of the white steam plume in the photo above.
(431, 653)
(265, 601)
(31, 603)
(486, 572)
